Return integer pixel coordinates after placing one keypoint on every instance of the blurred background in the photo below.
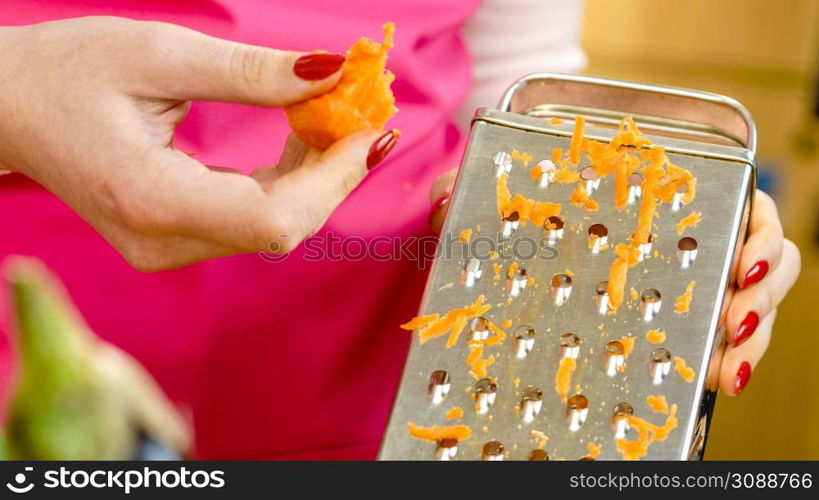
(763, 54)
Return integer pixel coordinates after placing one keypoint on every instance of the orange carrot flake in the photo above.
(683, 303)
(438, 433)
(690, 220)
(657, 404)
(454, 413)
(686, 372)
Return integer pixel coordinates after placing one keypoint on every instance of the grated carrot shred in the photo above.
(655, 336)
(690, 220)
(683, 303)
(434, 325)
(581, 199)
(465, 236)
(594, 449)
(535, 173)
(658, 404)
(686, 372)
(647, 434)
(438, 433)
(576, 144)
(454, 413)
(563, 377)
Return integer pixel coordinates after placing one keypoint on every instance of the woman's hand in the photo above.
(768, 267)
(89, 107)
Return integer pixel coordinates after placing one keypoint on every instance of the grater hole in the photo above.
(619, 419)
(650, 303)
(485, 392)
(439, 385)
(492, 451)
(569, 346)
(472, 272)
(478, 329)
(553, 226)
(601, 297)
(517, 283)
(591, 179)
(677, 201)
(509, 224)
(503, 163)
(530, 403)
(577, 408)
(561, 288)
(598, 237)
(659, 365)
(613, 357)
(635, 188)
(446, 449)
(547, 172)
(645, 248)
(686, 251)
(524, 340)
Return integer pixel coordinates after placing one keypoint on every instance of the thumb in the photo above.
(187, 65)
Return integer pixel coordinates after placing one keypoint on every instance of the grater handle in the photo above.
(701, 114)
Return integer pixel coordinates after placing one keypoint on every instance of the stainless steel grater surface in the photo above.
(516, 412)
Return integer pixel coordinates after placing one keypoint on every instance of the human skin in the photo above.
(90, 106)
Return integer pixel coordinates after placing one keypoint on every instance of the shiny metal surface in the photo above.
(605, 384)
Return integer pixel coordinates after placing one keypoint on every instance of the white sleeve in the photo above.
(512, 38)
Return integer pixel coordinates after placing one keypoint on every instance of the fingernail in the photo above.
(437, 209)
(755, 273)
(317, 66)
(743, 376)
(746, 328)
(381, 148)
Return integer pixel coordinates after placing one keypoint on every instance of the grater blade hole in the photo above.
(686, 251)
(492, 451)
(659, 365)
(650, 303)
(569, 346)
(561, 288)
(439, 385)
(524, 340)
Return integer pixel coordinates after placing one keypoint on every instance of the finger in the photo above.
(762, 250)
(308, 194)
(187, 65)
(439, 198)
(739, 362)
(294, 154)
(180, 196)
(156, 253)
(750, 304)
(442, 186)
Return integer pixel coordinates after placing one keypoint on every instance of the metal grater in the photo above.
(712, 136)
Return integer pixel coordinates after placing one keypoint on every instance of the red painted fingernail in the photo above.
(755, 273)
(743, 376)
(438, 209)
(381, 148)
(746, 328)
(439, 202)
(317, 66)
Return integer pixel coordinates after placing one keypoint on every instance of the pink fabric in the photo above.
(293, 359)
